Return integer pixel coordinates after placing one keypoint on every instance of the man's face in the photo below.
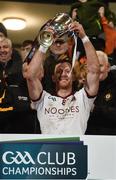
(5, 51)
(59, 47)
(25, 50)
(74, 14)
(63, 76)
(104, 69)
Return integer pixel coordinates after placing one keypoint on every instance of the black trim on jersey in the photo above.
(65, 96)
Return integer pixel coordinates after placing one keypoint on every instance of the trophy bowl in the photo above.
(54, 29)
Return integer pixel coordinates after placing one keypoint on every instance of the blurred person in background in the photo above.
(25, 48)
(86, 12)
(3, 31)
(16, 116)
(4, 34)
(102, 120)
(109, 30)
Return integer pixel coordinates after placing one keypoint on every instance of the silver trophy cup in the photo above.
(54, 29)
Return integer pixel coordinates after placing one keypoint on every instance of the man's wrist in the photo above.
(85, 39)
(43, 49)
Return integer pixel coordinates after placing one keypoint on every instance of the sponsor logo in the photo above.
(55, 110)
(52, 98)
(22, 98)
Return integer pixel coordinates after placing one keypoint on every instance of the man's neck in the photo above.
(64, 92)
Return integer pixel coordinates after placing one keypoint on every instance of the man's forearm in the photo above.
(35, 88)
(36, 63)
(92, 59)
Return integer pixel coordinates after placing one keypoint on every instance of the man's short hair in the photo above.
(8, 41)
(27, 42)
(61, 62)
(3, 29)
(57, 62)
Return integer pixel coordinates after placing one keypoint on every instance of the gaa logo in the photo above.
(10, 157)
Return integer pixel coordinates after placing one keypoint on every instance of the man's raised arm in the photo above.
(33, 73)
(93, 68)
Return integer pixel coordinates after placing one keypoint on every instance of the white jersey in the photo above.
(61, 116)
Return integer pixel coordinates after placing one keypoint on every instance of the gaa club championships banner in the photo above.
(60, 158)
